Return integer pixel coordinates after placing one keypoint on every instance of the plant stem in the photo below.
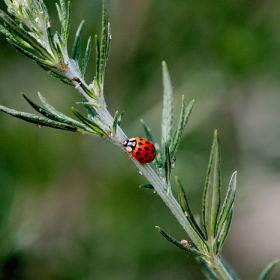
(166, 195)
(220, 269)
(161, 188)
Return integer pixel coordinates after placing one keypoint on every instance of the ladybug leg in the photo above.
(130, 154)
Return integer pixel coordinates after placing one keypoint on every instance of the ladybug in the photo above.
(142, 149)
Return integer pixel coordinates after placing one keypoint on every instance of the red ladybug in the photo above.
(141, 149)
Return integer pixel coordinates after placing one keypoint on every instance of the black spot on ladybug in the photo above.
(139, 149)
(138, 153)
(141, 159)
(146, 148)
(152, 151)
(146, 154)
(147, 142)
(139, 143)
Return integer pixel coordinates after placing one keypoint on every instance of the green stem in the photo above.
(220, 269)
(166, 195)
(161, 188)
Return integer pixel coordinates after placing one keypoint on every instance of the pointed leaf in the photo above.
(177, 136)
(114, 126)
(24, 35)
(67, 19)
(59, 46)
(41, 110)
(191, 250)
(60, 116)
(57, 75)
(97, 58)
(86, 58)
(167, 110)
(54, 49)
(225, 216)
(64, 17)
(119, 120)
(38, 60)
(38, 120)
(13, 38)
(158, 159)
(89, 122)
(266, 272)
(146, 186)
(222, 235)
(212, 191)
(186, 208)
(167, 165)
(76, 50)
(89, 92)
(89, 109)
(105, 43)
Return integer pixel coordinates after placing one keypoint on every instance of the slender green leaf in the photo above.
(64, 17)
(60, 12)
(37, 59)
(182, 198)
(62, 116)
(167, 165)
(97, 58)
(189, 249)
(221, 238)
(119, 120)
(5, 31)
(38, 120)
(54, 49)
(76, 50)
(32, 19)
(177, 136)
(225, 215)
(24, 35)
(90, 93)
(91, 113)
(158, 159)
(268, 269)
(14, 38)
(105, 43)
(146, 186)
(89, 122)
(212, 191)
(56, 117)
(229, 200)
(41, 110)
(167, 110)
(60, 49)
(114, 126)
(57, 75)
(86, 57)
(66, 21)
(50, 107)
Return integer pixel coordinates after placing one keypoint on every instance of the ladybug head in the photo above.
(129, 144)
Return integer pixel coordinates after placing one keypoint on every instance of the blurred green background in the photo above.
(70, 204)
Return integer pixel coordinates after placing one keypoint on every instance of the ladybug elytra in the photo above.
(142, 149)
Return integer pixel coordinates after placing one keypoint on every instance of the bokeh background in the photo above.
(70, 204)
